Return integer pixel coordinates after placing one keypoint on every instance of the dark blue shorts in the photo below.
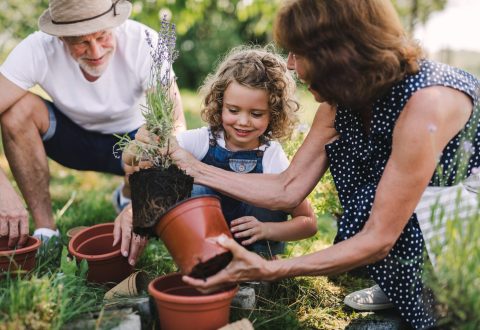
(77, 148)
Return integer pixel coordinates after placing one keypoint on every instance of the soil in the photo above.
(154, 191)
(211, 266)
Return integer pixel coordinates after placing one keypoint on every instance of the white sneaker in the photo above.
(118, 200)
(44, 234)
(370, 299)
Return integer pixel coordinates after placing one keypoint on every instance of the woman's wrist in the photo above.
(270, 270)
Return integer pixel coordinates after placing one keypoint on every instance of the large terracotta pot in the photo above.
(188, 230)
(181, 306)
(20, 260)
(106, 265)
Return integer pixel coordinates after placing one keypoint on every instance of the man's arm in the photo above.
(9, 93)
(13, 215)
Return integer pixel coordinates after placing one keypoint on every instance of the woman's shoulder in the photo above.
(432, 73)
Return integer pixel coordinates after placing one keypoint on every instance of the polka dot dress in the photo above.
(357, 162)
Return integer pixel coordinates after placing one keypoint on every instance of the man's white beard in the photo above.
(95, 71)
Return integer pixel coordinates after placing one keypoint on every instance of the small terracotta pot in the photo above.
(181, 306)
(20, 260)
(75, 230)
(106, 265)
(188, 230)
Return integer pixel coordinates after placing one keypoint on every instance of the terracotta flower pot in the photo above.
(106, 265)
(188, 230)
(181, 306)
(75, 230)
(16, 261)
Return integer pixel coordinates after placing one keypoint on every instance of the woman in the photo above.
(386, 115)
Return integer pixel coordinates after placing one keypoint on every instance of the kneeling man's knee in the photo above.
(30, 109)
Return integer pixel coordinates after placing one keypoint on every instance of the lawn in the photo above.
(55, 295)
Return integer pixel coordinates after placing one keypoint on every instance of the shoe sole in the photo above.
(367, 308)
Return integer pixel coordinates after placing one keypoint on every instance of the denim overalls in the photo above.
(241, 162)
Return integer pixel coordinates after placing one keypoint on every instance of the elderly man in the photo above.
(94, 63)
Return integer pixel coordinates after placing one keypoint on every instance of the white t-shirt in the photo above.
(112, 103)
(196, 141)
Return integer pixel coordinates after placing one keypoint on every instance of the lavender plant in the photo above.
(159, 112)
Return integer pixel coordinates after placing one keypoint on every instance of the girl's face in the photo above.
(245, 116)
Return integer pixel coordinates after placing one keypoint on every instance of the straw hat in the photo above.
(80, 17)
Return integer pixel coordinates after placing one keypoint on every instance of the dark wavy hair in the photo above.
(253, 67)
(355, 50)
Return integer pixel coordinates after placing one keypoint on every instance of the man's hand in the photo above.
(132, 244)
(249, 227)
(245, 266)
(13, 215)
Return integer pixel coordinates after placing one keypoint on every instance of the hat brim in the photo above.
(105, 22)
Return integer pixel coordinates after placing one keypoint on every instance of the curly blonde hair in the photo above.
(253, 67)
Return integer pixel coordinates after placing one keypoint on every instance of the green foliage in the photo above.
(208, 28)
(324, 198)
(18, 18)
(455, 278)
(46, 302)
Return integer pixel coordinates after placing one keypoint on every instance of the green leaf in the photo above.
(68, 264)
(83, 269)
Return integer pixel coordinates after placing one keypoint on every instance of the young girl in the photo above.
(249, 102)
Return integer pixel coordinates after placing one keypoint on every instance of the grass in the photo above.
(54, 295)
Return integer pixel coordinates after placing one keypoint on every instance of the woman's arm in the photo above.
(302, 225)
(431, 118)
(278, 191)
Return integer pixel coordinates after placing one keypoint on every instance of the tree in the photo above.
(413, 12)
(207, 29)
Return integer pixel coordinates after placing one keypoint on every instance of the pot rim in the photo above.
(27, 249)
(161, 225)
(189, 199)
(195, 300)
(96, 257)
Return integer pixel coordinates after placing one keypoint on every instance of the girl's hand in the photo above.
(250, 227)
(245, 266)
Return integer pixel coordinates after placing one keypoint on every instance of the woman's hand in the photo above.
(249, 227)
(244, 266)
(131, 247)
(183, 159)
